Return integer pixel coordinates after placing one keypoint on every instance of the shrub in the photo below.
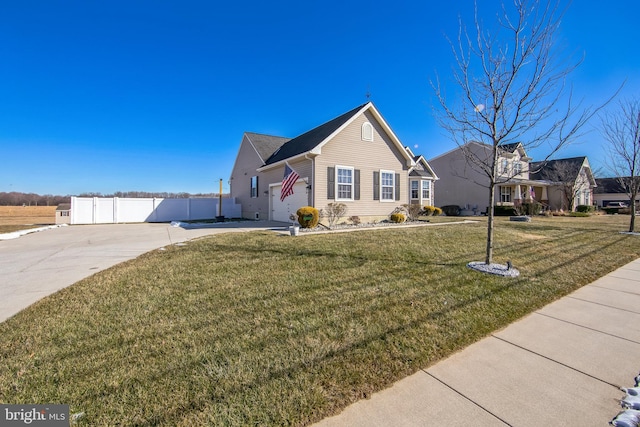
(429, 210)
(308, 217)
(451, 210)
(413, 211)
(397, 217)
(355, 220)
(585, 208)
(334, 212)
(504, 211)
(437, 212)
(578, 214)
(528, 208)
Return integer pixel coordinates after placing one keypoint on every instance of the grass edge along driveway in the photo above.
(264, 329)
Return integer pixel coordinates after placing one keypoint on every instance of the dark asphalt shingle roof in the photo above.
(266, 145)
(309, 140)
(608, 185)
(555, 170)
(510, 147)
(64, 207)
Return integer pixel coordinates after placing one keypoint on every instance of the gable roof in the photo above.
(265, 145)
(549, 170)
(510, 148)
(311, 139)
(311, 142)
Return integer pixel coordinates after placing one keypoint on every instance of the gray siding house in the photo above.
(519, 179)
(354, 159)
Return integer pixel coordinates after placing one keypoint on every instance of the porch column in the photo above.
(517, 201)
(544, 196)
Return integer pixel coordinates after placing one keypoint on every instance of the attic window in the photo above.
(367, 131)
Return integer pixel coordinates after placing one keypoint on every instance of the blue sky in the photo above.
(155, 95)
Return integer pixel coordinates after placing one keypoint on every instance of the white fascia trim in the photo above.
(303, 156)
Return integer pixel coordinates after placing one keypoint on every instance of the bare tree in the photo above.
(621, 131)
(512, 90)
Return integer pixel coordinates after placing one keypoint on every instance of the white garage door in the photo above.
(280, 211)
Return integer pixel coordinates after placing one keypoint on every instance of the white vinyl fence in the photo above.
(112, 210)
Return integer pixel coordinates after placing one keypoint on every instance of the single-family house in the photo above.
(609, 190)
(520, 180)
(355, 159)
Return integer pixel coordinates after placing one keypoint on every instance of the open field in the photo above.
(14, 218)
(264, 329)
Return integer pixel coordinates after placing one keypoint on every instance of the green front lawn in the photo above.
(264, 329)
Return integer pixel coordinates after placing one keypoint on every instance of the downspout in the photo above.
(313, 179)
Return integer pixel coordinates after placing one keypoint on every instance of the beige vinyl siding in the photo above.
(275, 175)
(349, 150)
(247, 163)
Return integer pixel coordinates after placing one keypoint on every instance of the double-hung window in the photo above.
(426, 189)
(415, 190)
(517, 168)
(505, 194)
(387, 185)
(344, 183)
(504, 166)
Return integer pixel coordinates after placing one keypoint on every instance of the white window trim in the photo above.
(337, 183)
(393, 186)
(367, 131)
(503, 192)
(428, 188)
(256, 194)
(419, 182)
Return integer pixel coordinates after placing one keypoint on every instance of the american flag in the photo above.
(290, 178)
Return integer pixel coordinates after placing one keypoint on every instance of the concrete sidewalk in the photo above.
(561, 365)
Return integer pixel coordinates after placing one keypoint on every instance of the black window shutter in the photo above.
(397, 179)
(257, 186)
(376, 186)
(356, 184)
(331, 183)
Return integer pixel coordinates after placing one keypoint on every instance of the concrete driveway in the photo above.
(39, 264)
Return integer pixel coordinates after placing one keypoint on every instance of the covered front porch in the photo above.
(525, 191)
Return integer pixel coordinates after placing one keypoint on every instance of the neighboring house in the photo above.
(571, 182)
(354, 159)
(609, 190)
(519, 180)
(63, 213)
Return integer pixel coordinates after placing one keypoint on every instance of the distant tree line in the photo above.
(15, 198)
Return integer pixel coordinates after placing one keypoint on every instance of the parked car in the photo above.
(617, 205)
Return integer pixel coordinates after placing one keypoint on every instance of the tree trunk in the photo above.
(632, 221)
(489, 255)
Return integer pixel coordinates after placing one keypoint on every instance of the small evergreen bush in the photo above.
(429, 210)
(578, 214)
(308, 217)
(451, 210)
(397, 217)
(585, 208)
(355, 220)
(504, 211)
(437, 211)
